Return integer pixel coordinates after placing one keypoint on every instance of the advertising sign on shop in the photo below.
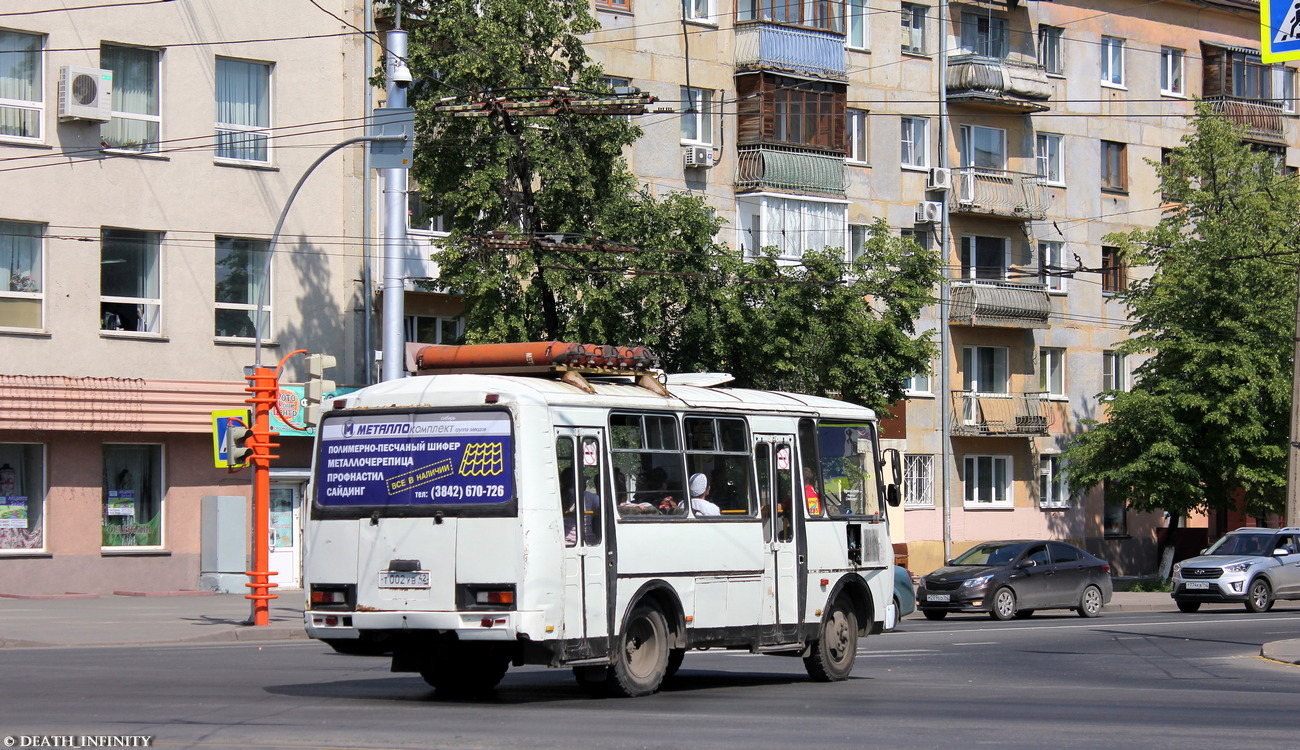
(13, 512)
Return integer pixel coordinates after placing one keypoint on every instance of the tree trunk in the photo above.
(1169, 547)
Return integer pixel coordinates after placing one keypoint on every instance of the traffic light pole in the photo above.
(263, 384)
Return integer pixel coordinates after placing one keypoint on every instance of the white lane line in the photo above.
(976, 643)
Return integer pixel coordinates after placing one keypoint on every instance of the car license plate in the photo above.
(1198, 584)
(938, 597)
(418, 579)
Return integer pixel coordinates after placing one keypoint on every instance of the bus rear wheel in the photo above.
(640, 658)
(832, 655)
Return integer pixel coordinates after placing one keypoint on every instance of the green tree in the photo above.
(1207, 419)
(552, 237)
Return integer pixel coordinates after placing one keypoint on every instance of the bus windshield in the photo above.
(847, 463)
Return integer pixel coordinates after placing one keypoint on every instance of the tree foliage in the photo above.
(1208, 416)
(630, 266)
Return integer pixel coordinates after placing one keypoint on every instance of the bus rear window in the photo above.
(405, 460)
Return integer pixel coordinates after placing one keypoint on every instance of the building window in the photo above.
(433, 329)
(916, 142)
(22, 496)
(1284, 88)
(984, 369)
(136, 119)
(1114, 275)
(1050, 160)
(1171, 71)
(1051, 371)
(791, 225)
(1052, 254)
(1249, 77)
(914, 28)
(1049, 49)
(133, 496)
(1114, 371)
(1114, 521)
(129, 281)
(817, 14)
(243, 110)
(22, 96)
(859, 23)
(1114, 166)
(856, 135)
(696, 121)
(777, 109)
(857, 240)
(918, 481)
(241, 271)
(988, 481)
(918, 384)
(1052, 490)
(623, 5)
(1112, 61)
(705, 11)
(983, 148)
(984, 35)
(920, 236)
(22, 289)
(984, 258)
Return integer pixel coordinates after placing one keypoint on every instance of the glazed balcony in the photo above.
(998, 84)
(1263, 119)
(765, 46)
(999, 414)
(999, 304)
(997, 192)
(790, 170)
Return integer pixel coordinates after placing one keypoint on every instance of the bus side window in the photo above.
(763, 466)
(592, 491)
(565, 464)
(785, 492)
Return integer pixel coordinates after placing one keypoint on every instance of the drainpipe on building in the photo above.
(945, 375)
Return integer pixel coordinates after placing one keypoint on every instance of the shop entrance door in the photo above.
(286, 532)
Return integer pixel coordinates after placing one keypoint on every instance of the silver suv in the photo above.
(1249, 566)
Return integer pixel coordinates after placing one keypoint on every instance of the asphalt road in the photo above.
(1144, 679)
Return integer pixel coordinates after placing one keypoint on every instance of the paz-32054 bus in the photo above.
(465, 522)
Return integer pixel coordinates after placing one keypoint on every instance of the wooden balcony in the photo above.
(765, 46)
(997, 192)
(998, 84)
(787, 169)
(999, 414)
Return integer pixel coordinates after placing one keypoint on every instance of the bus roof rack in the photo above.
(569, 361)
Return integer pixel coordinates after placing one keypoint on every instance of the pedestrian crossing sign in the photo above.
(1279, 22)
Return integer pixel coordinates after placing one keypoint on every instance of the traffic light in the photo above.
(317, 386)
(239, 442)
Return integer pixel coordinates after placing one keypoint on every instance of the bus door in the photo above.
(774, 461)
(584, 491)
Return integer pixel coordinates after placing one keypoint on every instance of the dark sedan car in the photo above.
(1012, 579)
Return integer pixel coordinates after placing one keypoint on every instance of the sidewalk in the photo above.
(201, 617)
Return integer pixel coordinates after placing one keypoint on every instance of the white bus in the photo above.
(467, 522)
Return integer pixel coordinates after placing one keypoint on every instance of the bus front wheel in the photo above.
(640, 659)
(832, 655)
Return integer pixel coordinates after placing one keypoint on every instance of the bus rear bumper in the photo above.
(468, 626)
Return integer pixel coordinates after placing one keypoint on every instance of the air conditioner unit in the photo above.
(940, 179)
(928, 212)
(700, 157)
(85, 94)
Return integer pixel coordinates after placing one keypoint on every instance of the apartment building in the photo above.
(146, 153)
(1015, 136)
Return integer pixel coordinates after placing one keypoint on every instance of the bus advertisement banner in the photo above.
(421, 459)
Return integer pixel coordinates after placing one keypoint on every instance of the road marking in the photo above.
(977, 643)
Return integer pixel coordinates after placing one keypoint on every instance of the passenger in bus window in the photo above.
(810, 496)
(568, 495)
(700, 502)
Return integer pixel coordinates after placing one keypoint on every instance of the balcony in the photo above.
(790, 170)
(999, 304)
(997, 192)
(1262, 119)
(999, 414)
(762, 46)
(998, 84)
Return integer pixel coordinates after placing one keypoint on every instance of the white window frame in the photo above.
(700, 120)
(1173, 71)
(972, 41)
(970, 137)
(918, 384)
(1053, 489)
(918, 480)
(857, 241)
(259, 267)
(1284, 88)
(37, 83)
(1052, 254)
(972, 358)
(18, 288)
(410, 324)
(119, 84)
(1051, 371)
(1049, 49)
(1049, 156)
(857, 24)
(153, 323)
(914, 18)
(252, 133)
(791, 224)
(920, 236)
(700, 11)
(1112, 62)
(914, 155)
(1001, 495)
(856, 136)
(969, 269)
(1114, 371)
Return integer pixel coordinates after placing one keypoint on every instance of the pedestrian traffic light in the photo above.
(317, 386)
(239, 443)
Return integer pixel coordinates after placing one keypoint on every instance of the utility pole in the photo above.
(398, 77)
(945, 296)
(1293, 449)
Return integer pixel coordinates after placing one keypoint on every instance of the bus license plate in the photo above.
(418, 579)
(1198, 584)
(938, 597)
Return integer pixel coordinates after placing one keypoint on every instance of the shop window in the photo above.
(22, 496)
(22, 286)
(133, 496)
(240, 268)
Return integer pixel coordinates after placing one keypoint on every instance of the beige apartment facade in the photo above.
(147, 151)
(819, 118)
